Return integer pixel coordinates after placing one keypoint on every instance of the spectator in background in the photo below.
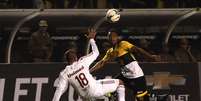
(40, 44)
(144, 44)
(165, 54)
(183, 52)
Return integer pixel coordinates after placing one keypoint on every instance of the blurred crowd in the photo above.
(40, 47)
(49, 4)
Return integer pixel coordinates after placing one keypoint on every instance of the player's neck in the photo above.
(71, 62)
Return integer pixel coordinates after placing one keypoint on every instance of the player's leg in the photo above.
(142, 93)
(138, 86)
(121, 91)
(111, 85)
(61, 88)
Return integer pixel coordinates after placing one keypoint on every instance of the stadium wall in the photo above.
(35, 82)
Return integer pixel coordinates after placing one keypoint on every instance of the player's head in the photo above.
(71, 56)
(113, 35)
(183, 43)
(43, 25)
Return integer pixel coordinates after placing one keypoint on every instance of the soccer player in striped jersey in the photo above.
(132, 74)
(77, 74)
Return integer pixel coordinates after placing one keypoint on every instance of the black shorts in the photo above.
(136, 85)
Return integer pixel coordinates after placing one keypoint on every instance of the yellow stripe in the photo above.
(143, 94)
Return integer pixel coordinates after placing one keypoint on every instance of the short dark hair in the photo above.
(113, 30)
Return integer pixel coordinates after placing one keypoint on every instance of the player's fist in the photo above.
(91, 33)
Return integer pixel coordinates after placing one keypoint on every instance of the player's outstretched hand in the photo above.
(91, 33)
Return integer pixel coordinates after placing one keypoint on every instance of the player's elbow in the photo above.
(96, 53)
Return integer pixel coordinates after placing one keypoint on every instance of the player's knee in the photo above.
(143, 96)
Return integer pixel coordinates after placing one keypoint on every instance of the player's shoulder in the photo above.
(81, 59)
(124, 42)
(65, 70)
(68, 67)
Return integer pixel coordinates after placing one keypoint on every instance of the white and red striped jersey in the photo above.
(78, 74)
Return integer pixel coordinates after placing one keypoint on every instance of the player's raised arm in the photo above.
(95, 51)
(92, 56)
(102, 62)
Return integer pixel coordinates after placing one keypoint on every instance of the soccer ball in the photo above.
(113, 15)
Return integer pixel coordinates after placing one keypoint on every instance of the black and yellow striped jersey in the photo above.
(121, 53)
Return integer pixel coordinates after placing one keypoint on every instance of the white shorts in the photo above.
(132, 70)
(103, 87)
(98, 89)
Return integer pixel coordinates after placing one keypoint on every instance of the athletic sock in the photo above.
(121, 93)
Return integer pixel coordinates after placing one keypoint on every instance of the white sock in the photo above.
(121, 93)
